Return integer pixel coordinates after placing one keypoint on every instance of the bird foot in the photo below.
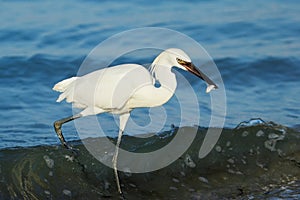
(122, 196)
(74, 151)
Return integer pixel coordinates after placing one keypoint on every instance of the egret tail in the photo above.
(67, 88)
(64, 84)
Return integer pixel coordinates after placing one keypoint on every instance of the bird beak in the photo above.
(210, 84)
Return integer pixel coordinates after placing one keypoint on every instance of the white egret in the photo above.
(121, 88)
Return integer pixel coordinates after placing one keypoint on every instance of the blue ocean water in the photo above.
(254, 44)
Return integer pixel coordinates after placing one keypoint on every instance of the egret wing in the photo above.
(110, 88)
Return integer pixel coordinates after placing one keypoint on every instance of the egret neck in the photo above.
(167, 81)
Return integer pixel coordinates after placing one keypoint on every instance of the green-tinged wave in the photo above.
(248, 161)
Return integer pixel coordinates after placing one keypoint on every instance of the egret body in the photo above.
(121, 88)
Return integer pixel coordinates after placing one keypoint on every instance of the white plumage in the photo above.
(121, 88)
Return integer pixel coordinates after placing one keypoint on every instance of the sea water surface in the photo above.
(255, 46)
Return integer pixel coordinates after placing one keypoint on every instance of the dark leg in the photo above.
(57, 127)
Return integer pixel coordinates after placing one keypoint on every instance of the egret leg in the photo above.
(57, 127)
(123, 121)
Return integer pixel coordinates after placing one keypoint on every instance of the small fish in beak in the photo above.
(210, 88)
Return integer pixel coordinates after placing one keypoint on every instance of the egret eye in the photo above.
(183, 63)
(179, 61)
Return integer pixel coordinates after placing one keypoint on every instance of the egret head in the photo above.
(178, 58)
